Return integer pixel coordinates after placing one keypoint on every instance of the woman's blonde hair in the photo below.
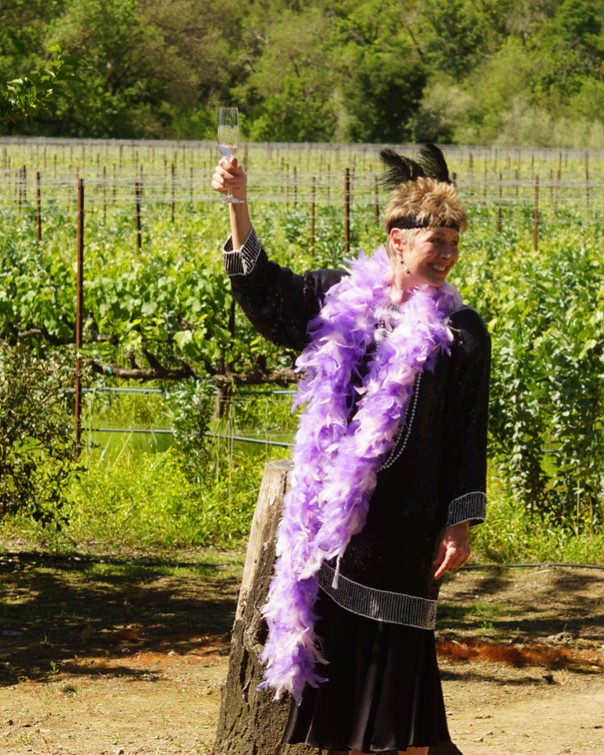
(425, 203)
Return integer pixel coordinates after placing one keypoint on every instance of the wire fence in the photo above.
(236, 429)
(178, 174)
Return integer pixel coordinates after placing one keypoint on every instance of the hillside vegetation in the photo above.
(525, 73)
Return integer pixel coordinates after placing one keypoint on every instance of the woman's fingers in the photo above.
(229, 175)
(453, 550)
(221, 176)
(451, 560)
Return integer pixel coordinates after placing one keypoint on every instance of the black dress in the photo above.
(383, 691)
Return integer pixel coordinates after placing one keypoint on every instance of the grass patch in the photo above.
(513, 535)
(143, 501)
(471, 611)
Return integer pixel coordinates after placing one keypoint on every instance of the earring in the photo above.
(405, 268)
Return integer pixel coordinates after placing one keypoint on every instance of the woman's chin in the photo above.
(437, 282)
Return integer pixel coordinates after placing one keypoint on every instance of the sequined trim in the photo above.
(468, 507)
(380, 605)
(241, 261)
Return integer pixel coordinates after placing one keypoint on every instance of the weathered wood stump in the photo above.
(250, 721)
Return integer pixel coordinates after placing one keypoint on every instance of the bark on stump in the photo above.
(250, 721)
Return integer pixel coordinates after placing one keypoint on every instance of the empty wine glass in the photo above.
(228, 140)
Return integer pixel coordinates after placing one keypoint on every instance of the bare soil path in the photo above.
(120, 655)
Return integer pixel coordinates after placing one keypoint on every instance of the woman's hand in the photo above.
(229, 175)
(453, 550)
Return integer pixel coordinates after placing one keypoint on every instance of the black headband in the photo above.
(410, 222)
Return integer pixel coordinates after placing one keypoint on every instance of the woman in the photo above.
(389, 464)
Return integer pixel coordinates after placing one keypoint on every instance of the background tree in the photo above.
(290, 89)
(459, 34)
(570, 52)
(383, 74)
(147, 69)
(123, 84)
(492, 71)
(30, 73)
(382, 94)
(33, 95)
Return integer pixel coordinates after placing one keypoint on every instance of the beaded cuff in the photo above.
(241, 261)
(470, 507)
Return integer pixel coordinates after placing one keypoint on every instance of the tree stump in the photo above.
(250, 721)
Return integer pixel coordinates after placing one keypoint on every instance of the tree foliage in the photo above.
(368, 70)
(32, 96)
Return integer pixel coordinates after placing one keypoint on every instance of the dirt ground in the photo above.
(126, 656)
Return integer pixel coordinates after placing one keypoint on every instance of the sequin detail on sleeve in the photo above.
(241, 261)
(470, 507)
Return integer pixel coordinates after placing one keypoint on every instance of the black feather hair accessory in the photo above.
(400, 169)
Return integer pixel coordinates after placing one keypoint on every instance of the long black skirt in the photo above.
(383, 692)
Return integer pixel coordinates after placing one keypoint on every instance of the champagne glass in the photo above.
(228, 140)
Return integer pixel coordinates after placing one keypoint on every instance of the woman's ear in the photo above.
(397, 240)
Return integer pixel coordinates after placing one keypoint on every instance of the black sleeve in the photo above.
(466, 414)
(280, 303)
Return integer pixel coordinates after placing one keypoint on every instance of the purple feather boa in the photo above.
(336, 458)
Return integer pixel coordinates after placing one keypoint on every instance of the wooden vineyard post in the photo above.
(173, 193)
(295, 188)
(104, 194)
(536, 215)
(587, 180)
(313, 193)
(79, 314)
(499, 203)
(346, 210)
(38, 208)
(24, 186)
(138, 194)
(376, 194)
(250, 720)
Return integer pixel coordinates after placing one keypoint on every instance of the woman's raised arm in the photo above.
(230, 175)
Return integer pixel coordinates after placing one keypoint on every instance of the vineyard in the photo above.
(138, 226)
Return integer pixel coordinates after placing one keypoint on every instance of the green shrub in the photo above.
(37, 446)
(512, 534)
(545, 311)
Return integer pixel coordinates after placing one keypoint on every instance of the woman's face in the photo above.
(423, 257)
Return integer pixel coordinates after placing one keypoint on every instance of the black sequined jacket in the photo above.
(435, 475)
